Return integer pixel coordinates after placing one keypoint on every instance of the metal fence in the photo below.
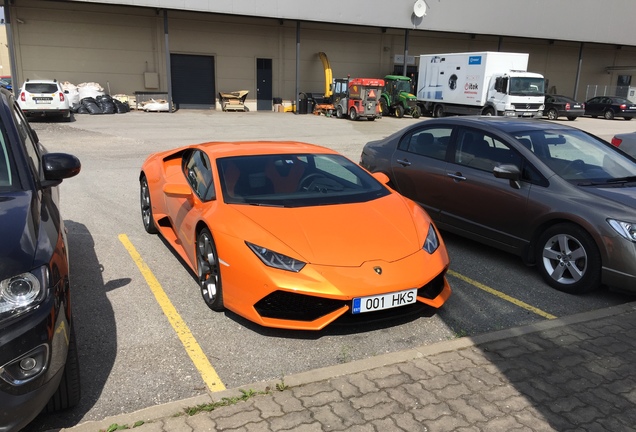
(605, 90)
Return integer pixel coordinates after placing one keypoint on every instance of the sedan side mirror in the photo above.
(509, 172)
(59, 166)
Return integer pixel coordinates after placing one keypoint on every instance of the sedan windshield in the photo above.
(578, 157)
(296, 180)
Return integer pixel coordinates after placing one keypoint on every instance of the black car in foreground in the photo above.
(610, 107)
(38, 358)
(562, 106)
(562, 199)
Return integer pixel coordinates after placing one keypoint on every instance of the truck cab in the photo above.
(518, 94)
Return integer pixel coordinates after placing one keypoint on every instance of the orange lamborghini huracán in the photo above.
(292, 235)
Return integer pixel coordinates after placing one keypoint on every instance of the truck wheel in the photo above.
(415, 112)
(384, 108)
(488, 111)
(399, 111)
(353, 114)
(438, 111)
(339, 112)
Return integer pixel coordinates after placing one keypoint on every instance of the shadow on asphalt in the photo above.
(94, 324)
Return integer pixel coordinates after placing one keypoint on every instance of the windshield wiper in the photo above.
(612, 181)
(627, 179)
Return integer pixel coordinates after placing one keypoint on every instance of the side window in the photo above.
(430, 142)
(198, 172)
(31, 147)
(6, 174)
(482, 151)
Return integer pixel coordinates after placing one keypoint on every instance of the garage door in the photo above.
(192, 81)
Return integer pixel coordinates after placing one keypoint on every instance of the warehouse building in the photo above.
(193, 49)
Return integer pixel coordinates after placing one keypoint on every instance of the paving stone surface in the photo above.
(573, 374)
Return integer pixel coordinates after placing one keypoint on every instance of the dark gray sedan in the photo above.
(560, 198)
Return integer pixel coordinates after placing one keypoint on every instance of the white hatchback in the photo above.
(44, 98)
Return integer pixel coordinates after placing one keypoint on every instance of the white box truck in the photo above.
(486, 83)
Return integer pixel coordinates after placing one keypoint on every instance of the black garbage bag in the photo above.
(81, 109)
(105, 102)
(91, 106)
(121, 107)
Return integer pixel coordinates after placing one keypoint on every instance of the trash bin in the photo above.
(302, 103)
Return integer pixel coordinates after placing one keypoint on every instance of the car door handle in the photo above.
(456, 176)
(404, 162)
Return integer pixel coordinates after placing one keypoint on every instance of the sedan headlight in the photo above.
(22, 292)
(275, 259)
(432, 242)
(625, 229)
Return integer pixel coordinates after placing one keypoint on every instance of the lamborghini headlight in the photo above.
(22, 292)
(432, 242)
(625, 229)
(275, 259)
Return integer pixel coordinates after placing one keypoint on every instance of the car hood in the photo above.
(625, 195)
(343, 234)
(18, 234)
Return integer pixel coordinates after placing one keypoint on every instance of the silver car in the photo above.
(625, 142)
(562, 199)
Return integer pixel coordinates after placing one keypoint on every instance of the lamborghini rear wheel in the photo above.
(208, 271)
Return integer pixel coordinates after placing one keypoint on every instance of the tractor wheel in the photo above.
(415, 112)
(399, 111)
(353, 114)
(339, 112)
(384, 108)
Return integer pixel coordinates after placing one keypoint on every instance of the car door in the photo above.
(185, 209)
(419, 165)
(595, 106)
(478, 205)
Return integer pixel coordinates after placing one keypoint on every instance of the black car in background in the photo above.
(38, 358)
(562, 106)
(610, 107)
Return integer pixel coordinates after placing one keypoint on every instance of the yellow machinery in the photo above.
(328, 74)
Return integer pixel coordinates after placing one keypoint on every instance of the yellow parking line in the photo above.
(190, 344)
(501, 295)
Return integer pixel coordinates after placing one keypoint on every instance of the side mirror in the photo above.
(177, 190)
(381, 177)
(59, 166)
(509, 172)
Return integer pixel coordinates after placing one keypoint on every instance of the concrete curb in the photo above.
(171, 409)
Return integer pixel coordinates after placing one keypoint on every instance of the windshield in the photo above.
(527, 86)
(40, 87)
(579, 157)
(404, 86)
(296, 180)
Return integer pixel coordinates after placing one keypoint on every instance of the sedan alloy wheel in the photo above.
(568, 259)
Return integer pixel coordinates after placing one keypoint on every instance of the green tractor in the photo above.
(397, 98)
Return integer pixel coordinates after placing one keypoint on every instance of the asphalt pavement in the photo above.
(562, 374)
(568, 374)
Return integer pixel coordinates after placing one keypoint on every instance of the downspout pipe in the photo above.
(168, 65)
